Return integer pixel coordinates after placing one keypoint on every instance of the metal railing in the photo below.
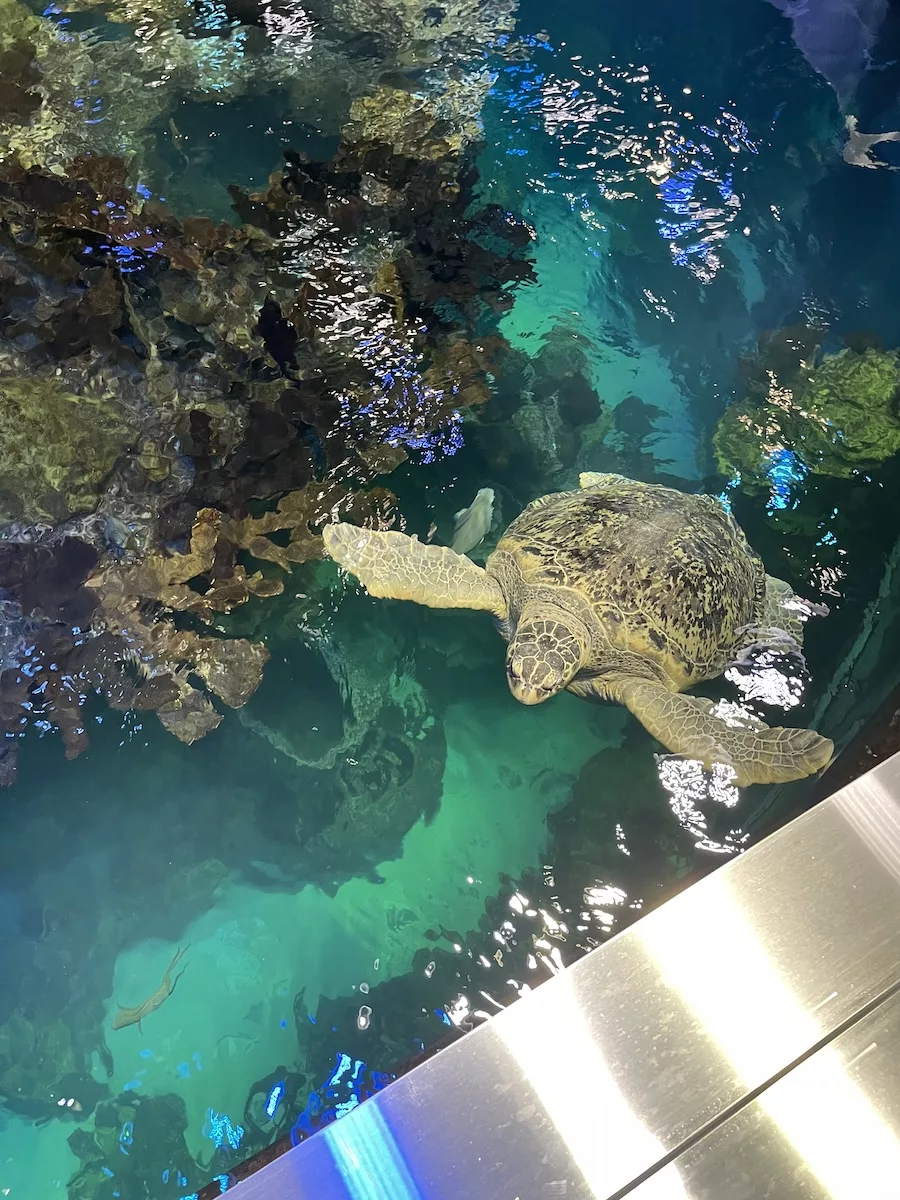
(741, 1041)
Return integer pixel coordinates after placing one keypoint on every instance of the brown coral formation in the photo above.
(132, 598)
(231, 669)
(79, 94)
(297, 513)
(418, 125)
(82, 94)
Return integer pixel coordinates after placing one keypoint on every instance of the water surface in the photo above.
(550, 242)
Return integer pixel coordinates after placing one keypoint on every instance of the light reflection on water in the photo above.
(619, 138)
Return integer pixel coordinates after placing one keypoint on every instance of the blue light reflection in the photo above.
(368, 1159)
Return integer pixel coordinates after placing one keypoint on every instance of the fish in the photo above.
(133, 1016)
(857, 149)
(470, 525)
(178, 141)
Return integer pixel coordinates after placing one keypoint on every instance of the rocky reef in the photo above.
(832, 414)
(143, 1136)
(545, 415)
(208, 394)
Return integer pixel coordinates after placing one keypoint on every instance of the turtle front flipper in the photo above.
(688, 725)
(398, 567)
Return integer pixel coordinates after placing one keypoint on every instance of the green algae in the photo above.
(57, 449)
(839, 418)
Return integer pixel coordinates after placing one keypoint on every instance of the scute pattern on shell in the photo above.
(664, 575)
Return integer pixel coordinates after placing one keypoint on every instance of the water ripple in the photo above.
(616, 136)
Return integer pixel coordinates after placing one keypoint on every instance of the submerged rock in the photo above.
(834, 418)
(143, 1137)
(357, 800)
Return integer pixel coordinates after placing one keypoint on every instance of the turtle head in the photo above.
(545, 653)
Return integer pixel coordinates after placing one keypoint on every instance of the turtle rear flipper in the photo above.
(397, 567)
(784, 609)
(758, 754)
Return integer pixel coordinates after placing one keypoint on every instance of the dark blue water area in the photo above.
(622, 238)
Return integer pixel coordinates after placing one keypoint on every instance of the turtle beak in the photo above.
(531, 695)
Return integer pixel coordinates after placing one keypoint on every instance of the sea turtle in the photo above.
(622, 591)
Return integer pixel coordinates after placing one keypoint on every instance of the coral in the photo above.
(411, 263)
(230, 376)
(419, 32)
(297, 512)
(79, 93)
(418, 125)
(142, 662)
(18, 25)
(57, 448)
(114, 639)
(836, 418)
(77, 255)
(92, 194)
(164, 578)
(854, 405)
(72, 78)
(230, 668)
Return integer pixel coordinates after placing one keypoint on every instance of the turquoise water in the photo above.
(550, 242)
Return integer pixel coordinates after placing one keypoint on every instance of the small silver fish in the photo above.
(470, 525)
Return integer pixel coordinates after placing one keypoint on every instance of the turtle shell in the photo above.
(661, 573)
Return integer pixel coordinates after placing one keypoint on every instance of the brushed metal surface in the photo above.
(581, 1087)
(828, 1130)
